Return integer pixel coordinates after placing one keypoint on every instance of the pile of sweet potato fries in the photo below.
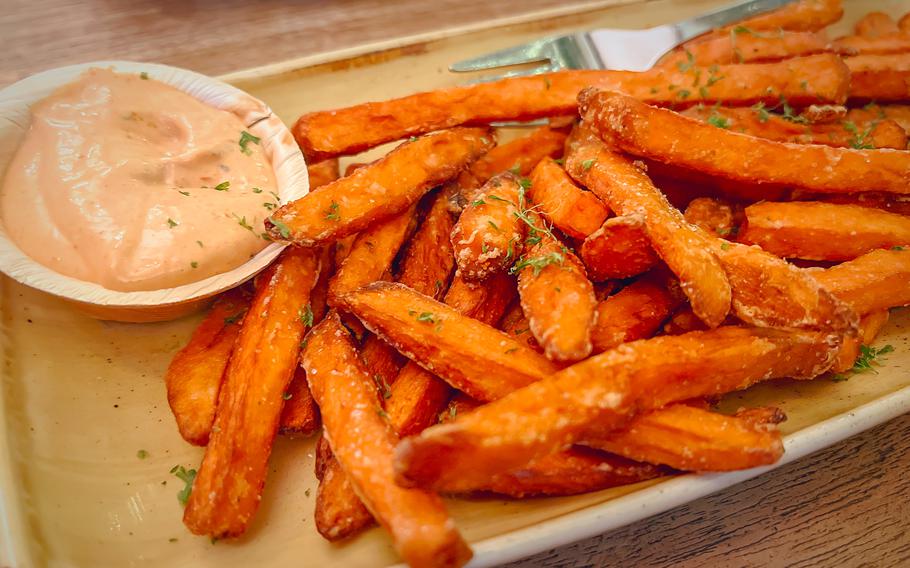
(555, 315)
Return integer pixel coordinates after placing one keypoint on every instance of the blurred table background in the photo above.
(848, 505)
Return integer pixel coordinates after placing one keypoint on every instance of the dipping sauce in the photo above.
(132, 184)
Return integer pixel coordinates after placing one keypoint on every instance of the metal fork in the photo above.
(632, 50)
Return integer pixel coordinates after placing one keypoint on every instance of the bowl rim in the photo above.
(278, 144)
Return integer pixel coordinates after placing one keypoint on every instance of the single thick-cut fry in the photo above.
(489, 234)
(428, 261)
(322, 173)
(822, 231)
(350, 130)
(869, 328)
(656, 133)
(570, 472)
(692, 439)
(875, 24)
(898, 42)
(620, 248)
(879, 77)
(890, 202)
(574, 211)
(804, 15)
(195, 374)
(769, 291)
(898, 113)
(471, 356)
(744, 45)
(363, 443)
(711, 215)
(558, 299)
(604, 392)
(520, 155)
(877, 133)
(339, 518)
(878, 280)
(380, 190)
(229, 484)
(372, 254)
(685, 249)
(635, 312)
(300, 415)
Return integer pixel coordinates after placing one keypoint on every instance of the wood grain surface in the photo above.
(848, 505)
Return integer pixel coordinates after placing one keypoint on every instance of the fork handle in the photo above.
(689, 29)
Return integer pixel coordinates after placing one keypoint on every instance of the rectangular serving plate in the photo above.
(80, 398)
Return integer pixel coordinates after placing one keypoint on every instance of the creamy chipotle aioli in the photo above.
(127, 182)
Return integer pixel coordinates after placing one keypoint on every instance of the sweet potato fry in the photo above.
(360, 437)
(869, 328)
(655, 133)
(558, 299)
(323, 173)
(635, 312)
(879, 77)
(470, 355)
(881, 45)
(570, 472)
(769, 291)
(300, 415)
(685, 249)
(489, 234)
(194, 377)
(712, 216)
(875, 24)
(574, 211)
(618, 249)
(604, 392)
(878, 280)
(339, 512)
(890, 202)
(520, 155)
(229, 484)
(877, 133)
(379, 191)
(322, 456)
(822, 231)
(428, 261)
(804, 15)
(516, 324)
(898, 113)
(745, 45)
(372, 254)
(350, 130)
(691, 439)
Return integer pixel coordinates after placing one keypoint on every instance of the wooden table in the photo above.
(847, 505)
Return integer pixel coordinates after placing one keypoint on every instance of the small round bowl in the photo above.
(168, 303)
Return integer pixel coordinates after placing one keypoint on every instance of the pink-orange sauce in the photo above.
(133, 184)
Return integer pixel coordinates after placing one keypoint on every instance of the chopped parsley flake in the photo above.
(525, 183)
(859, 141)
(897, 248)
(257, 190)
(283, 229)
(234, 318)
(586, 165)
(412, 139)
(762, 112)
(382, 386)
(538, 263)
(718, 121)
(187, 476)
(497, 198)
(171, 223)
(492, 224)
(144, 76)
(868, 356)
(306, 315)
(245, 139)
(332, 212)
(270, 206)
(142, 454)
(223, 186)
(478, 202)
(186, 193)
(200, 244)
(287, 396)
(194, 264)
(242, 222)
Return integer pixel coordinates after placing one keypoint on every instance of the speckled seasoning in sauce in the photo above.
(132, 184)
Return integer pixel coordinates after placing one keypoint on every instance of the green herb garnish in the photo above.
(245, 139)
(187, 476)
(223, 186)
(332, 212)
(283, 229)
(306, 315)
